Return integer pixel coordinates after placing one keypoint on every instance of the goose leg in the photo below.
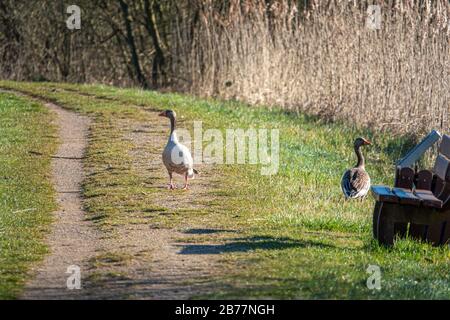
(186, 186)
(171, 185)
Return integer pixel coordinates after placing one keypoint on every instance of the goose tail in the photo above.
(192, 173)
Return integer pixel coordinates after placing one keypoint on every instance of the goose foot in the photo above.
(171, 186)
(185, 187)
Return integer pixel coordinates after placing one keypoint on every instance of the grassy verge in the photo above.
(296, 237)
(26, 194)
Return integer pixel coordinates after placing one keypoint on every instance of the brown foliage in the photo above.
(312, 56)
(323, 59)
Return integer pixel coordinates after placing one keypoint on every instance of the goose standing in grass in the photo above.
(177, 157)
(356, 181)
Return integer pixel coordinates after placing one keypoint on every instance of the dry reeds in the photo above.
(312, 56)
(323, 59)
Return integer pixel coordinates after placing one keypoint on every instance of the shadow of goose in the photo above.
(246, 244)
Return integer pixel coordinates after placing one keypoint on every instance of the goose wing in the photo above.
(355, 183)
(177, 158)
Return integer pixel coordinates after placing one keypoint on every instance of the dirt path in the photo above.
(159, 264)
(73, 240)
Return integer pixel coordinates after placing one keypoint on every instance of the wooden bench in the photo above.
(419, 203)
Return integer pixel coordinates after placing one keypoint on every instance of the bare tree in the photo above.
(159, 60)
(132, 45)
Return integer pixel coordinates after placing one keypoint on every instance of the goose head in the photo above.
(168, 114)
(171, 115)
(361, 142)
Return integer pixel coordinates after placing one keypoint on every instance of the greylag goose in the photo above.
(356, 181)
(177, 157)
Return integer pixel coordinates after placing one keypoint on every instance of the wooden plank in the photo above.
(376, 213)
(415, 153)
(428, 199)
(421, 215)
(417, 231)
(446, 232)
(445, 146)
(406, 196)
(442, 167)
(445, 197)
(384, 194)
(439, 187)
(424, 180)
(385, 225)
(400, 229)
(434, 232)
(405, 178)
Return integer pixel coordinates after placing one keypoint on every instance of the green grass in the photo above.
(26, 194)
(292, 235)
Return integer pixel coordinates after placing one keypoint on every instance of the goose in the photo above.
(355, 182)
(177, 157)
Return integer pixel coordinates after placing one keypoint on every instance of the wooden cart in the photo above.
(419, 203)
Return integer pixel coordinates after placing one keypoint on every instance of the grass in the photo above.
(26, 193)
(108, 258)
(292, 235)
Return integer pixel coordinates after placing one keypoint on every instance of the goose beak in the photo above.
(367, 142)
(162, 114)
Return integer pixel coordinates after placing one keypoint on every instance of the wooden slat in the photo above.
(439, 187)
(384, 194)
(428, 199)
(405, 178)
(406, 196)
(445, 146)
(442, 167)
(424, 180)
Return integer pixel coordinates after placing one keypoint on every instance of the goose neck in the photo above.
(172, 124)
(173, 134)
(359, 155)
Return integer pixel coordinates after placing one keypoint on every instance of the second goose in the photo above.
(355, 182)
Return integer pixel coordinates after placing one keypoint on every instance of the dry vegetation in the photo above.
(326, 61)
(312, 56)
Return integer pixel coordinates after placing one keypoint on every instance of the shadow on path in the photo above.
(245, 244)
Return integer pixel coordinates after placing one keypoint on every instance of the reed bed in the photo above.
(323, 59)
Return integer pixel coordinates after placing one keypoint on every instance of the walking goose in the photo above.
(356, 181)
(177, 157)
